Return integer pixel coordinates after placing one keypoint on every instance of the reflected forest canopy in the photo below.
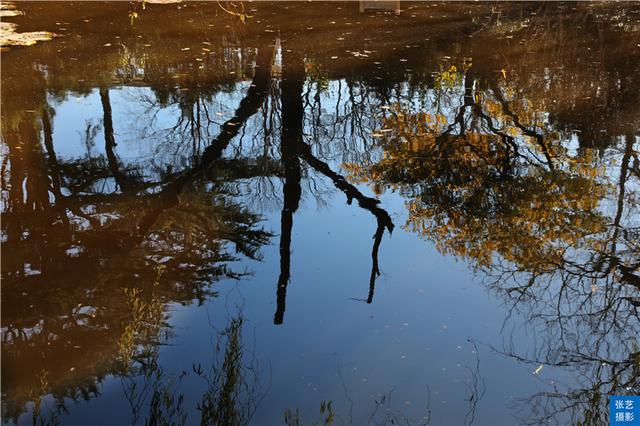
(509, 133)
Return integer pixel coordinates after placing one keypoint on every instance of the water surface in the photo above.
(269, 213)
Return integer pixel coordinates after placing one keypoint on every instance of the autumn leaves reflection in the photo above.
(554, 229)
(95, 248)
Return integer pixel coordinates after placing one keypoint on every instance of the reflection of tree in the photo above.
(121, 179)
(469, 189)
(589, 316)
(292, 114)
(494, 182)
(504, 192)
(84, 262)
(371, 204)
(77, 308)
(233, 388)
(293, 147)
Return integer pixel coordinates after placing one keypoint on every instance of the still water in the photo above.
(309, 213)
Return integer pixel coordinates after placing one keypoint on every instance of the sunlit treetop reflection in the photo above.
(553, 227)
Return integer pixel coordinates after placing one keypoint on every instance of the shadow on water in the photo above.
(509, 133)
